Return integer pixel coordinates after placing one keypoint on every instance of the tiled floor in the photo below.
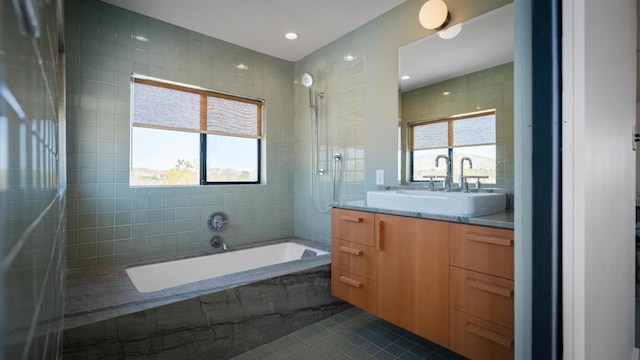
(352, 334)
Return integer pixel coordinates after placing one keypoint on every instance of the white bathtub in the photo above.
(160, 276)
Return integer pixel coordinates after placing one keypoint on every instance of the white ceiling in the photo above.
(484, 42)
(260, 25)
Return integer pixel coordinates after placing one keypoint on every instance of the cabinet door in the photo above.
(413, 275)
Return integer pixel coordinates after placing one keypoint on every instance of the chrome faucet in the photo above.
(217, 242)
(448, 178)
(463, 181)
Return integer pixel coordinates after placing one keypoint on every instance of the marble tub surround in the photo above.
(216, 325)
(502, 220)
(104, 292)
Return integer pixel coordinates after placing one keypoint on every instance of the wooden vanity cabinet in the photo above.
(450, 283)
(401, 263)
(413, 275)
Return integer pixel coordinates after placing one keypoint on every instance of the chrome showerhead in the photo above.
(307, 80)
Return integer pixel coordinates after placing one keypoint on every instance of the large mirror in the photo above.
(456, 99)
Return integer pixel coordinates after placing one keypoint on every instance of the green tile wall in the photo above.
(110, 222)
(487, 89)
(338, 69)
(32, 190)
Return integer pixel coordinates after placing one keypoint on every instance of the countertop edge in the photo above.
(503, 220)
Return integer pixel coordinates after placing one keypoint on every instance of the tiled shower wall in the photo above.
(32, 191)
(487, 89)
(338, 71)
(108, 221)
(360, 110)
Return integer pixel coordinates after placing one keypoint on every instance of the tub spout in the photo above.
(217, 242)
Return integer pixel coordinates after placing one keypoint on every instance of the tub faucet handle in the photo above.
(217, 241)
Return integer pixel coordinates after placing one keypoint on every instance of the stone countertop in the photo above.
(502, 220)
(98, 293)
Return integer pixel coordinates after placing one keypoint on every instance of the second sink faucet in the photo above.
(448, 178)
(462, 178)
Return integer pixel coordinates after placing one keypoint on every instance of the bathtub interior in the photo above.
(164, 275)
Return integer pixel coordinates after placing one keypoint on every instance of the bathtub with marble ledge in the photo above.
(102, 292)
(105, 315)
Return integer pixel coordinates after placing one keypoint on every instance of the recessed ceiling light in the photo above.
(242, 67)
(405, 77)
(349, 58)
(291, 35)
(446, 93)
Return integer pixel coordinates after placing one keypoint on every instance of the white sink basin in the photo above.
(438, 202)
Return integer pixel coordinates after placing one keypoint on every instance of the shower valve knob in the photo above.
(217, 221)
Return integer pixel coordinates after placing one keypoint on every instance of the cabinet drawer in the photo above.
(355, 226)
(478, 339)
(483, 249)
(354, 258)
(354, 289)
(485, 296)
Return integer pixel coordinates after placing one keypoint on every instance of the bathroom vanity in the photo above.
(443, 279)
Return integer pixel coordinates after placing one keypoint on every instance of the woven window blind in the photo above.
(479, 129)
(430, 136)
(474, 131)
(161, 105)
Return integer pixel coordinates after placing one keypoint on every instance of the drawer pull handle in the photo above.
(490, 240)
(495, 289)
(490, 335)
(351, 282)
(351, 219)
(380, 232)
(351, 251)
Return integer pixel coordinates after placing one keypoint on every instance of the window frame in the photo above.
(450, 147)
(203, 165)
(203, 132)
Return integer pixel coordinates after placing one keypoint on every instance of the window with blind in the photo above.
(472, 136)
(181, 135)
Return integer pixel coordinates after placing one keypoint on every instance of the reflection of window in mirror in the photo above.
(469, 135)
